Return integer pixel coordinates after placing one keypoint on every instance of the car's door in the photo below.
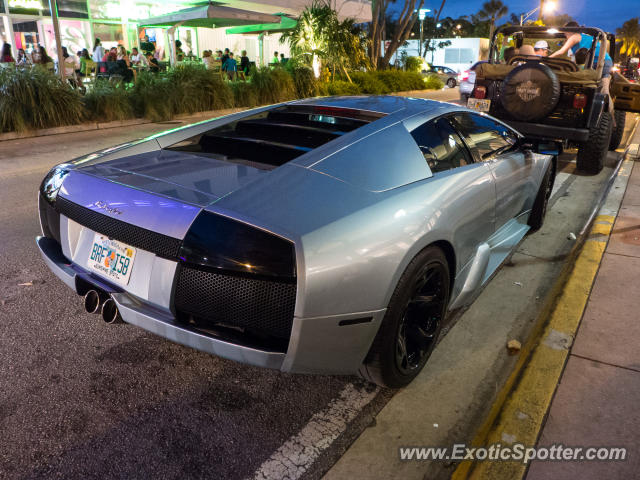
(466, 190)
(496, 144)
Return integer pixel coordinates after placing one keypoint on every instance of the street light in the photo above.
(422, 13)
(546, 6)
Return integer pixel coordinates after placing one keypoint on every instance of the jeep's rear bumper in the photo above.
(554, 132)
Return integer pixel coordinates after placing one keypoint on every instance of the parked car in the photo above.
(552, 98)
(467, 80)
(324, 235)
(446, 74)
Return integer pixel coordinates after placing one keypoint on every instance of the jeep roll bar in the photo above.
(545, 32)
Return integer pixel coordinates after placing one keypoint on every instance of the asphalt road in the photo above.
(82, 399)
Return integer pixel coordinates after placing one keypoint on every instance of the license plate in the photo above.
(111, 258)
(479, 104)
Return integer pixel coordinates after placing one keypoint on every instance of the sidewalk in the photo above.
(597, 401)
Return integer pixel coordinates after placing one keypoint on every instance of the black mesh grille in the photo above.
(161, 245)
(260, 306)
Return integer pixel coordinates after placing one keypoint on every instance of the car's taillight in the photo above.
(223, 244)
(463, 75)
(480, 92)
(579, 101)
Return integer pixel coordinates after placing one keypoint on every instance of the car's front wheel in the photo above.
(412, 323)
(451, 83)
(591, 154)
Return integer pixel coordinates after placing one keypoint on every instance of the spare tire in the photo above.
(530, 92)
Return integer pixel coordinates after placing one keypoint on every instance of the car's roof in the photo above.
(386, 104)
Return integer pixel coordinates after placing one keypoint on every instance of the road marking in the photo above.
(299, 452)
(522, 414)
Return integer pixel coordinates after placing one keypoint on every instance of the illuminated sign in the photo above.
(26, 4)
(133, 11)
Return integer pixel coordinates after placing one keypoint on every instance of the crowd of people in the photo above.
(119, 62)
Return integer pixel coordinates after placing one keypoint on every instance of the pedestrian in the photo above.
(275, 60)
(244, 65)
(282, 59)
(6, 56)
(23, 59)
(230, 66)
(98, 51)
(224, 58)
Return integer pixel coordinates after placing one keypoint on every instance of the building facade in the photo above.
(27, 24)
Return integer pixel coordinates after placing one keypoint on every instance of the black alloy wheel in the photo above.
(412, 323)
(422, 319)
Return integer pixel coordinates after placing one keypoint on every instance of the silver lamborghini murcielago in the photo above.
(327, 235)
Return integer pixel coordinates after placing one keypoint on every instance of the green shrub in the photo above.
(106, 102)
(197, 89)
(413, 64)
(399, 81)
(304, 81)
(369, 83)
(244, 95)
(340, 87)
(35, 98)
(153, 97)
(433, 82)
(272, 85)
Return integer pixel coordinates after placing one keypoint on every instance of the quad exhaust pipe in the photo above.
(96, 302)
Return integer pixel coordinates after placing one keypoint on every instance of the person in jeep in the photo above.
(550, 99)
(578, 41)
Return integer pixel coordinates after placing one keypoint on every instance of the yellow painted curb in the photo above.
(524, 411)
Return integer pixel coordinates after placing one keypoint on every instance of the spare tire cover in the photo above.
(531, 91)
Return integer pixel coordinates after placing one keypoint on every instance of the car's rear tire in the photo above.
(412, 323)
(591, 154)
(539, 209)
(617, 131)
(451, 83)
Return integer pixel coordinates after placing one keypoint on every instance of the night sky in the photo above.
(606, 14)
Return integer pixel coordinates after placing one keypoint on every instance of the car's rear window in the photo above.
(274, 137)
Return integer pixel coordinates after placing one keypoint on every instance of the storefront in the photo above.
(27, 24)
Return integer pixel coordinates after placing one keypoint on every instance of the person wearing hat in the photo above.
(541, 48)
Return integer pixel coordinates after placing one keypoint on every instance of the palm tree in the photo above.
(629, 33)
(492, 10)
(320, 36)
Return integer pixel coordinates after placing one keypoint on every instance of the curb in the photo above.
(517, 415)
(85, 127)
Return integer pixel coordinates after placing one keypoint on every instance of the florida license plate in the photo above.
(111, 258)
(479, 104)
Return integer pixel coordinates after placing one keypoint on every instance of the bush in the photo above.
(35, 98)
(413, 64)
(106, 102)
(304, 81)
(340, 87)
(196, 89)
(433, 82)
(369, 83)
(399, 81)
(244, 95)
(153, 97)
(272, 85)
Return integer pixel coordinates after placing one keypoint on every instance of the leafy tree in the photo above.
(558, 20)
(405, 21)
(492, 10)
(320, 37)
(629, 33)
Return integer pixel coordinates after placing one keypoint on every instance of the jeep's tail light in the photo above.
(579, 101)
(480, 92)
(463, 75)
